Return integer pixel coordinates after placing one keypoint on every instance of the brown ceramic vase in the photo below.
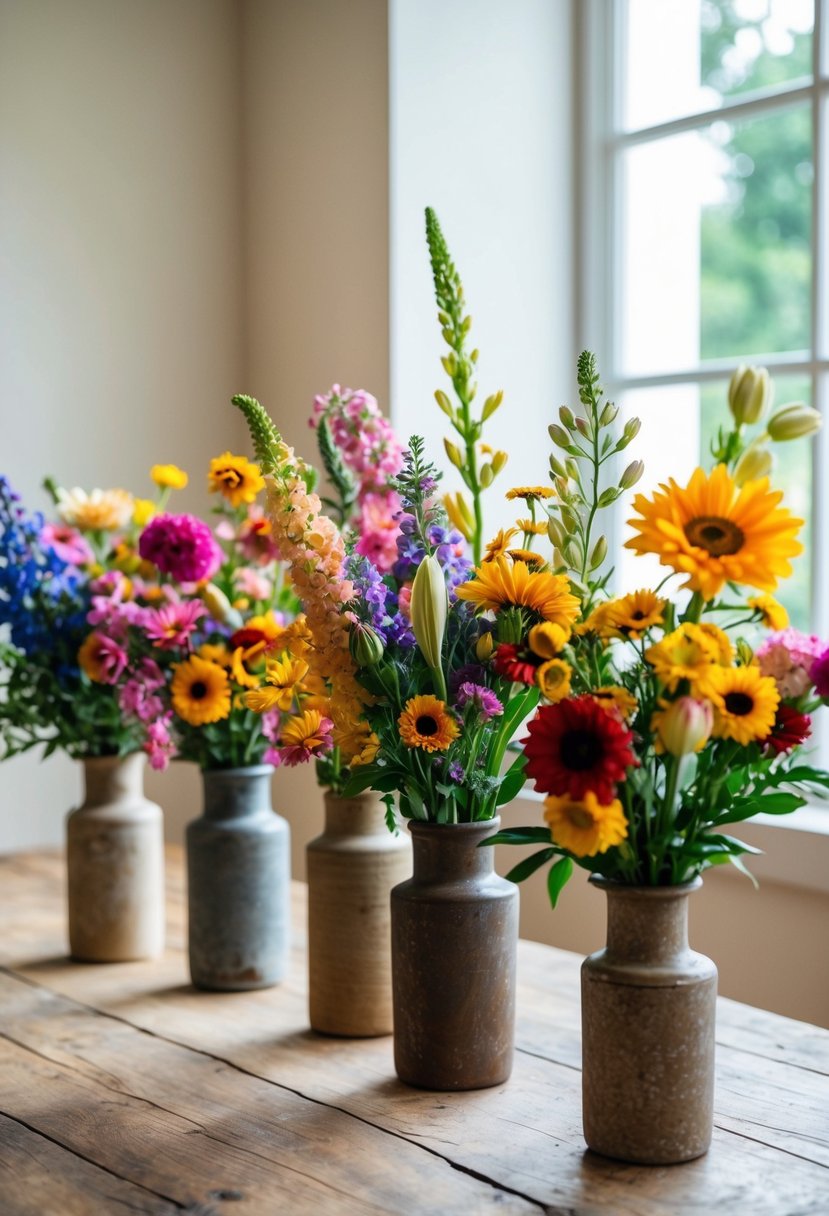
(352, 868)
(648, 1013)
(454, 938)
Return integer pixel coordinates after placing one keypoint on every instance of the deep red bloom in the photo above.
(819, 672)
(575, 747)
(510, 662)
(790, 729)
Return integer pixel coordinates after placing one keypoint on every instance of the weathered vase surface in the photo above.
(352, 868)
(115, 865)
(648, 1018)
(238, 883)
(454, 939)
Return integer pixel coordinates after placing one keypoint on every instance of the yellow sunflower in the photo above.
(528, 556)
(530, 492)
(200, 691)
(614, 696)
(216, 653)
(547, 640)
(503, 583)
(745, 703)
(499, 544)
(772, 613)
(236, 478)
(716, 532)
(169, 476)
(425, 723)
(282, 677)
(531, 527)
(721, 642)
(553, 678)
(585, 827)
(634, 614)
(686, 654)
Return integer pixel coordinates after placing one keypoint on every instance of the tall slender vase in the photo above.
(648, 1013)
(115, 865)
(454, 938)
(238, 883)
(352, 868)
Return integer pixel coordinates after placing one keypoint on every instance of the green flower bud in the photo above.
(454, 453)
(220, 607)
(486, 475)
(555, 532)
(750, 391)
(428, 609)
(793, 422)
(499, 461)
(755, 462)
(444, 403)
(608, 414)
(631, 474)
(631, 430)
(599, 553)
(567, 418)
(559, 436)
(366, 645)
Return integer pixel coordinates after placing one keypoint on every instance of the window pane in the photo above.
(716, 259)
(718, 49)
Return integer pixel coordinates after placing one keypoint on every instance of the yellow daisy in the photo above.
(236, 478)
(216, 653)
(686, 654)
(282, 677)
(528, 556)
(530, 492)
(721, 641)
(425, 723)
(200, 691)
(772, 613)
(554, 678)
(634, 614)
(169, 476)
(716, 532)
(547, 640)
(499, 544)
(503, 583)
(585, 827)
(745, 703)
(531, 527)
(617, 697)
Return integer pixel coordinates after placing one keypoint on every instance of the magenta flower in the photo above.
(102, 658)
(69, 545)
(820, 674)
(307, 749)
(788, 658)
(171, 625)
(483, 698)
(181, 546)
(138, 697)
(160, 745)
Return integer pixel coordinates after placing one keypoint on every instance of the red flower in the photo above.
(576, 747)
(790, 729)
(509, 662)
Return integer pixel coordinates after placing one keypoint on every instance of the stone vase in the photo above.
(454, 938)
(648, 1014)
(352, 868)
(115, 865)
(238, 883)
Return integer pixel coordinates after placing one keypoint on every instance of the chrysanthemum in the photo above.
(772, 613)
(503, 583)
(791, 728)
(200, 691)
(283, 676)
(634, 614)
(576, 747)
(530, 492)
(554, 678)
(102, 658)
(615, 697)
(688, 653)
(181, 546)
(169, 476)
(715, 532)
(426, 723)
(745, 703)
(499, 544)
(585, 826)
(236, 478)
(306, 736)
(100, 511)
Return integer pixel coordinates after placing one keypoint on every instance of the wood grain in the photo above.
(184, 1096)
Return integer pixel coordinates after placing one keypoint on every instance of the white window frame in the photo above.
(600, 141)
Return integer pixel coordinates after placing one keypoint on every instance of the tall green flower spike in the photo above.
(267, 441)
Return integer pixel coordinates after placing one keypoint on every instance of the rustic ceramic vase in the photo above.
(115, 865)
(648, 1012)
(454, 938)
(238, 883)
(352, 868)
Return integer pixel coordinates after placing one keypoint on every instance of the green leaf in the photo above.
(512, 783)
(558, 878)
(520, 836)
(529, 865)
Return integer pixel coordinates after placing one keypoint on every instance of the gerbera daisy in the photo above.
(102, 658)
(100, 511)
(282, 677)
(553, 678)
(716, 533)
(790, 729)
(528, 556)
(745, 703)
(503, 583)
(615, 697)
(426, 723)
(236, 478)
(772, 613)
(634, 614)
(305, 736)
(169, 626)
(68, 543)
(169, 476)
(686, 654)
(585, 826)
(515, 663)
(499, 544)
(530, 492)
(576, 747)
(200, 691)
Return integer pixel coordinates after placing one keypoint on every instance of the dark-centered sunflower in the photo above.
(200, 691)
(426, 723)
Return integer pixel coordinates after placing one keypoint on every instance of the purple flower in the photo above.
(482, 698)
(181, 546)
(456, 772)
(471, 672)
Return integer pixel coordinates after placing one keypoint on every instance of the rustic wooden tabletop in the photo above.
(122, 1089)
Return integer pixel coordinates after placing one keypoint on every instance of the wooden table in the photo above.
(122, 1089)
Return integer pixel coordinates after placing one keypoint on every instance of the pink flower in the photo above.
(114, 615)
(251, 582)
(378, 529)
(181, 546)
(138, 697)
(271, 756)
(256, 538)
(171, 625)
(819, 672)
(160, 745)
(301, 752)
(102, 658)
(364, 437)
(788, 658)
(67, 543)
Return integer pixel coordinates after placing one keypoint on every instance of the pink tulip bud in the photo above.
(685, 726)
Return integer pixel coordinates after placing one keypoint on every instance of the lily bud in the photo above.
(685, 726)
(491, 405)
(555, 532)
(454, 453)
(428, 608)
(755, 462)
(631, 474)
(750, 391)
(793, 422)
(484, 647)
(220, 607)
(499, 461)
(444, 403)
(365, 644)
(599, 553)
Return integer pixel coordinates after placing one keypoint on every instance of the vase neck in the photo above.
(647, 924)
(444, 852)
(237, 793)
(364, 815)
(109, 779)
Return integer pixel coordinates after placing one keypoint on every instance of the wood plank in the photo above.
(40, 1177)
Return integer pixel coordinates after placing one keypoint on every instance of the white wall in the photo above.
(120, 271)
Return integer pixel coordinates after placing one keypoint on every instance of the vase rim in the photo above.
(426, 825)
(666, 892)
(249, 770)
(114, 759)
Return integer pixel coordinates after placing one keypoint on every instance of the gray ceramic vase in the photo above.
(115, 865)
(238, 876)
(648, 1015)
(454, 940)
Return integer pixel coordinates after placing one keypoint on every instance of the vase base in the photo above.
(633, 1158)
(351, 1032)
